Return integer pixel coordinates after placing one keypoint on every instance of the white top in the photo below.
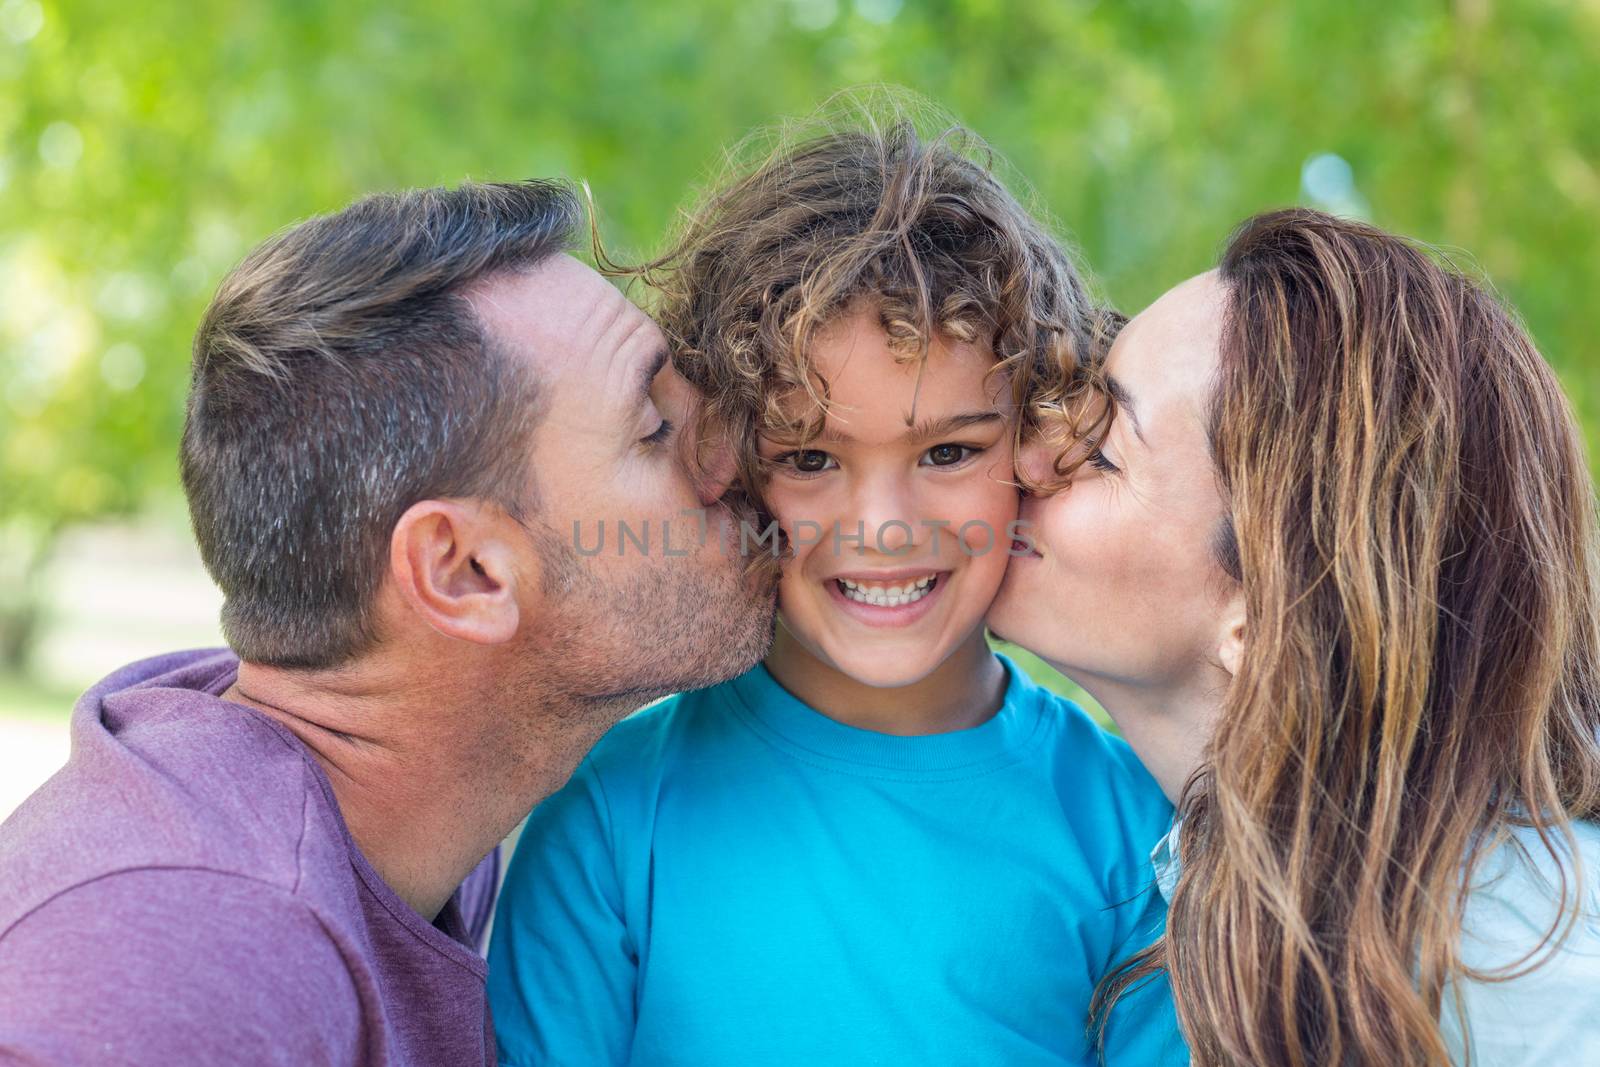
(1548, 1016)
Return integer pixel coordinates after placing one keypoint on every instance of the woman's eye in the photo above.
(949, 455)
(1098, 460)
(806, 460)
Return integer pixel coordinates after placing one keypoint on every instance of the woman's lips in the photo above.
(1024, 550)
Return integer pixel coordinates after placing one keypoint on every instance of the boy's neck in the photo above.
(962, 692)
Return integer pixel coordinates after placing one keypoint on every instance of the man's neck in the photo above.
(426, 779)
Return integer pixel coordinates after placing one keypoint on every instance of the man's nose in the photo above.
(706, 455)
(703, 448)
(712, 468)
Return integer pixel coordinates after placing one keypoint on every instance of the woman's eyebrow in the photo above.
(1124, 400)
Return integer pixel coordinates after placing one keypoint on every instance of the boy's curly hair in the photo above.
(868, 209)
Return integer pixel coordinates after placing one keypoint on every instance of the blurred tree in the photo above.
(144, 148)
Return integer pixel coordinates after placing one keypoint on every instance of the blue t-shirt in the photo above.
(733, 878)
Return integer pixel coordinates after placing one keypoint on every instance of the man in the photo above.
(401, 415)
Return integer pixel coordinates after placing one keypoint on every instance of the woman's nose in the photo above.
(1036, 462)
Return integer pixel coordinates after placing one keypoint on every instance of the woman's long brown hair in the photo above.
(1412, 523)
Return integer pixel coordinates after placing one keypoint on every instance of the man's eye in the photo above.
(660, 434)
(806, 460)
(949, 455)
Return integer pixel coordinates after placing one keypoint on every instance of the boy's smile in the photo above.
(889, 598)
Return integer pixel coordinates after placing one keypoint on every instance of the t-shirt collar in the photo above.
(1164, 858)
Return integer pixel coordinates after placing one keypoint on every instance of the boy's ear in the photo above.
(1231, 638)
(457, 566)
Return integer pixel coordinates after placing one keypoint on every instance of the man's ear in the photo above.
(1230, 647)
(456, 565)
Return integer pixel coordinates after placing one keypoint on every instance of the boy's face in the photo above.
(922, 471)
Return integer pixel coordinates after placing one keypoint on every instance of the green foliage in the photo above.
(144, 148)
(23, 697)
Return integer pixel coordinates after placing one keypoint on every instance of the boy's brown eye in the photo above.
(805, 461)
(947, 455)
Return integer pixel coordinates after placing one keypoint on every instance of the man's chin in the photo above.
(746, 647)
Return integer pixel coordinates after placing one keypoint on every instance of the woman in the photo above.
(1329, 559)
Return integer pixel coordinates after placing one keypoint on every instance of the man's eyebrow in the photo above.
(926, 429)
(1124, 400)
(652, 367)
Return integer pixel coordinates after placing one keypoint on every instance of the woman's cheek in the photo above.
(1060, 529)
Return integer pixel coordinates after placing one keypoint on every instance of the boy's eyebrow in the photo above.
(926, 429)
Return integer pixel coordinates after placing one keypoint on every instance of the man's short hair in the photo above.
(340, 376)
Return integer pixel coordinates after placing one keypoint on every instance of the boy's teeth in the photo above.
(887, 596)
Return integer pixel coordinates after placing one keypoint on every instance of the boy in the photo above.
(884, 844)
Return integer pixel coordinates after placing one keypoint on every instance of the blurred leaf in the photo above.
(143, 149)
